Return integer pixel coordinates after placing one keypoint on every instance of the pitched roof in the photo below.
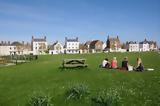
(149, 42)
(94, 42)
(39, 40)
(71, 40)
(16, 43)
(52, 46)
(83, 46)
(113, 38)
(132, 42)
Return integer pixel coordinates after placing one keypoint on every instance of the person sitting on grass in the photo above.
(139, 66)
(125, 64)
(105, 63)
(114, 63)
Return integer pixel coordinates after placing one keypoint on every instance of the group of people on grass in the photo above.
(125, 64)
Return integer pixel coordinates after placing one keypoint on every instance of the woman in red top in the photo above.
(114, 63)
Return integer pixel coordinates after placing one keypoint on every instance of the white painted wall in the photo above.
(36, 48)
(72, 47)
(144, 47)
(133, 47)
(6, 50)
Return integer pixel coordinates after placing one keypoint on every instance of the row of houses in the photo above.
(40, 46)
(141, 46)
(8, 48)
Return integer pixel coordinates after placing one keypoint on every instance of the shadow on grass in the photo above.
(74, 69)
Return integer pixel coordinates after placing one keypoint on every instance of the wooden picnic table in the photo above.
(71, 63)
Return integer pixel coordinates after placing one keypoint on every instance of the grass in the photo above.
(17, 83)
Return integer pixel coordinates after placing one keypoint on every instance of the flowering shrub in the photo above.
(77, 91)
(40, 100)
(107, 98)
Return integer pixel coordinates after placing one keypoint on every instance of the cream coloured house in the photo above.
(39, 45)
(56, 48)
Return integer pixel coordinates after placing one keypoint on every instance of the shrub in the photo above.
(77, 91)
(106, 98)
(39, 99)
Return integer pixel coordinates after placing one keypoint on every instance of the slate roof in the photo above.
(132, 42)
(71, 40)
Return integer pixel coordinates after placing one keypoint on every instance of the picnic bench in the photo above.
(73, 63)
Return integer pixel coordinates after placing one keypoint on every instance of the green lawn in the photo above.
(17, 83)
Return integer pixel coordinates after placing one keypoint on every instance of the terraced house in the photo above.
(132, 46)
(14, 48)
(71, 46)
(39, 45)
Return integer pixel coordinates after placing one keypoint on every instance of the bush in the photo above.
(106, 98)
(77, 91)
(38, 99)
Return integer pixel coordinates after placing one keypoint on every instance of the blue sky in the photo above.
(86, 19)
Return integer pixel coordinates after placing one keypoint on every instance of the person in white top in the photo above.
(105, 63)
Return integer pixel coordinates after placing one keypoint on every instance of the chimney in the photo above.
(108, 37)
(45, 37)
(8, 42)
(76, 38)
(65, 39)
(117, 37)
(22, 42)
(145, 39)
(32, 37)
